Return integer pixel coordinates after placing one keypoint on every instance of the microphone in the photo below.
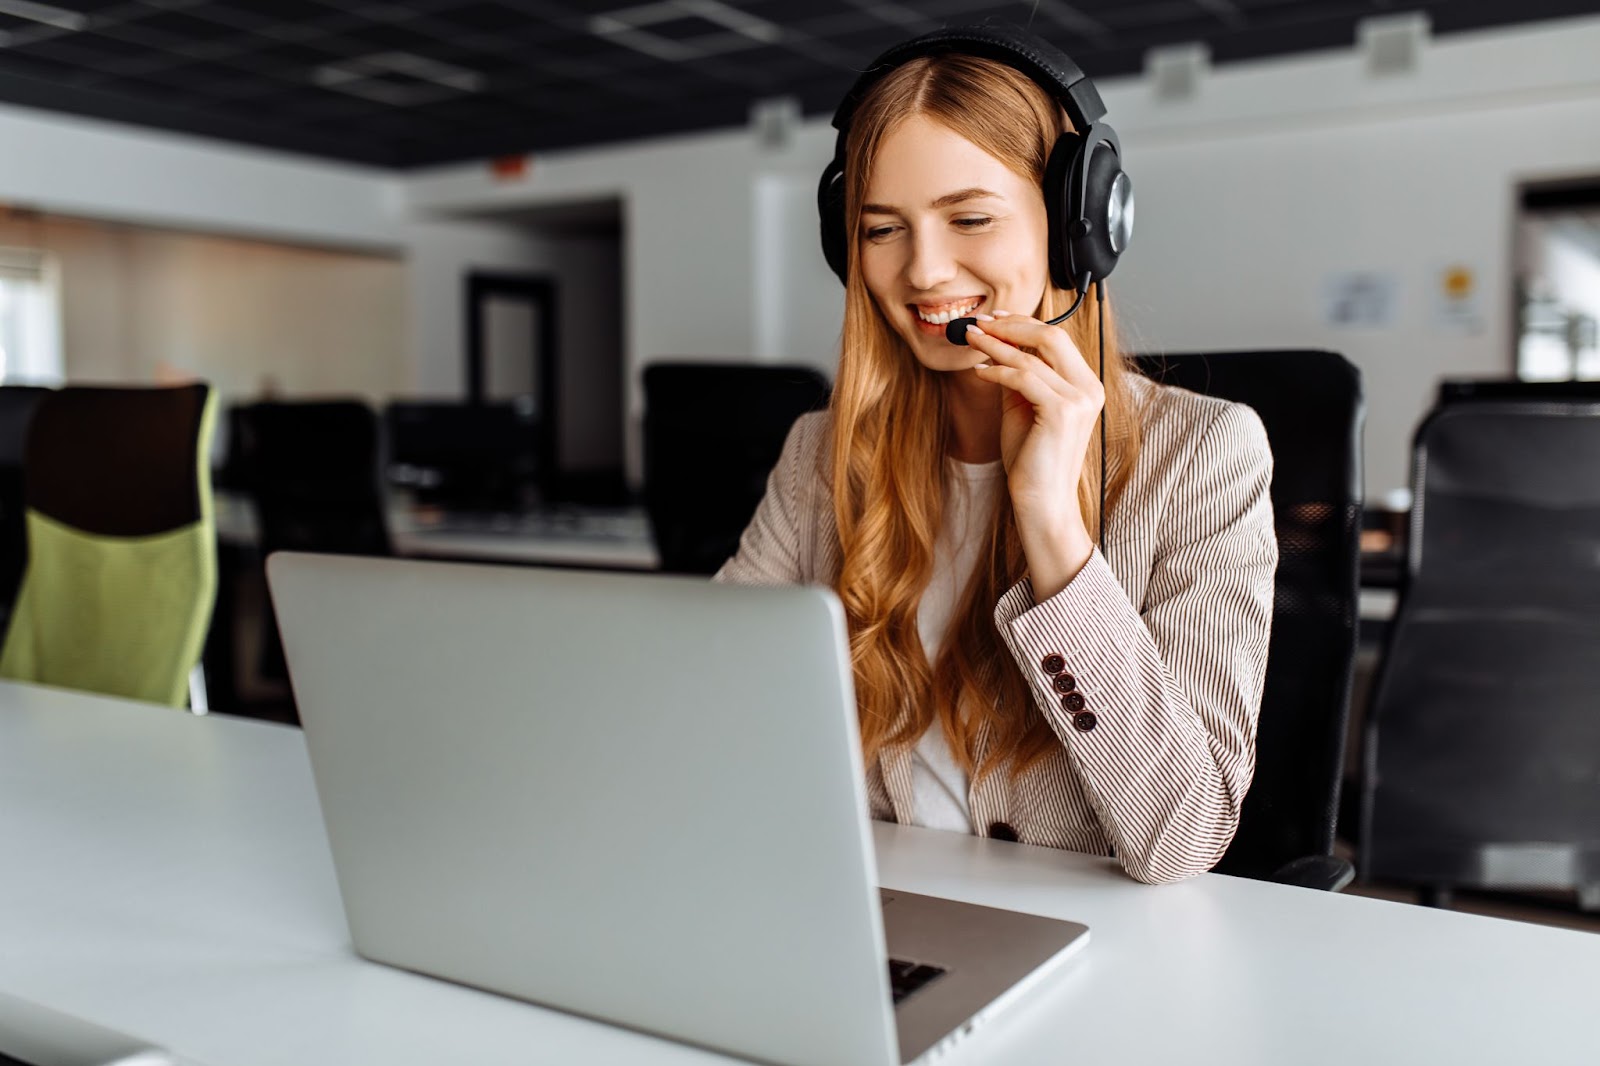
(955, 331)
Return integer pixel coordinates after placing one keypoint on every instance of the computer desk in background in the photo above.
(605, 539)
(168, 876)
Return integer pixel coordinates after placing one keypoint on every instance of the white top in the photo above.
(168, 876)
(972, 489)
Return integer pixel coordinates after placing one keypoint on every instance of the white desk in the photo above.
(168, 876)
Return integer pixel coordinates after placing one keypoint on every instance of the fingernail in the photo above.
(1001, 314)
(973, 329)
(981, 366)
(984, 318)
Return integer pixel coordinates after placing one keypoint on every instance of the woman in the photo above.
(1011, 679)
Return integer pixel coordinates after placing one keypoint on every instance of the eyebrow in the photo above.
(947, 200)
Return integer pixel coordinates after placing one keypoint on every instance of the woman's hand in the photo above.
(1051, 403)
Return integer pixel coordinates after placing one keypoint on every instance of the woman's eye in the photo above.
(973, 223)
(879, 231)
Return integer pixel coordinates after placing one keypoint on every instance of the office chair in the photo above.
(122, 565)
(17, 403)
(1452, 390)
(1311, 404)
(712, 434)
(312, 471)
(464, 456)
(1482, 746)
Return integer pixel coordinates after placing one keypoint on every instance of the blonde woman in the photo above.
(1012, 680)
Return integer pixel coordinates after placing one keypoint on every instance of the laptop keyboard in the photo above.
(906, 977)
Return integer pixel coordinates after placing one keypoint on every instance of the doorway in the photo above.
(512, 342)
(578, 386)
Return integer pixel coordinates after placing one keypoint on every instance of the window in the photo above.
(1558, 282)
(30, 319)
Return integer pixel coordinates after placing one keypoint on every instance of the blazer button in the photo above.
(1083, 721)
(1064, 683)
(1073, 701)
(1002, 831)
(1053, 663)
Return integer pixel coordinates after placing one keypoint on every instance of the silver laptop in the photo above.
(637, 798)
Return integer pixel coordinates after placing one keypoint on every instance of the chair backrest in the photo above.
(465, 456)
(17, 403)
(712, 434)
(1482, 751)
(1311, 404)
(122, 566)
(312, 470)
(1453, 390)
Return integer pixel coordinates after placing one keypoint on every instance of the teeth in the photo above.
(943, 317)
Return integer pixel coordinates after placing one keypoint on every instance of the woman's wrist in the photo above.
(1056, 550)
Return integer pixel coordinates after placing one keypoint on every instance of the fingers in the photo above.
(1037, 380)
(1052, 343)
(1028, 385)
(999, 351)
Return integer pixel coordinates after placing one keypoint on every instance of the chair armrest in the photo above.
(1326, 873)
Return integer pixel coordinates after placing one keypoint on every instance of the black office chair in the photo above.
(17, 403)
(1312, 406)
(712, 434)
(312, 471)
(1482, 746)
(465, 456)
(1453, 390)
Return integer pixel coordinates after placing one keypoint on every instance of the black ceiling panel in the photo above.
(407, 83)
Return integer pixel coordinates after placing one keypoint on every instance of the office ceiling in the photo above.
(417, 82)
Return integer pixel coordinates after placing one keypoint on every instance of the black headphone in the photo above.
(1088, 197)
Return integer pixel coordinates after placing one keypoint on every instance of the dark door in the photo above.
(511, 355)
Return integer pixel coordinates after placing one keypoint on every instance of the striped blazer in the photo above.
(1166, 639)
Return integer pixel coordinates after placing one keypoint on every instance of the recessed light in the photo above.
(626, 27)
(44, 14)
(48, 14)
(400, 79)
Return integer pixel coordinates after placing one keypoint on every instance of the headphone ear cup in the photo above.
(830, 215)
(1058, 207)
(1094, 252)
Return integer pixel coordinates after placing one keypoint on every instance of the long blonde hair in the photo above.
(891, 433)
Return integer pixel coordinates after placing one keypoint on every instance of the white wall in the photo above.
(137, 302)
(76, 166)
(1282, 173)
(97, 170)
(1277, 175)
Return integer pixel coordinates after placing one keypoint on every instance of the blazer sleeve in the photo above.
(769, 551)
(1174, 692)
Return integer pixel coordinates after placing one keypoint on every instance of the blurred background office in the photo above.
(424, 252)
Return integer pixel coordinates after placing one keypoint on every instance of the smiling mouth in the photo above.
(946, 312)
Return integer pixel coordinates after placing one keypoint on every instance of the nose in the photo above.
(931, 263)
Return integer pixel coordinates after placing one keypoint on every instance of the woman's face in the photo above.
(948, 230)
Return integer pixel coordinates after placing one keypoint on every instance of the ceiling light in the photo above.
(50, 15)
(399, 79)
(44, 14)
(625, 27)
